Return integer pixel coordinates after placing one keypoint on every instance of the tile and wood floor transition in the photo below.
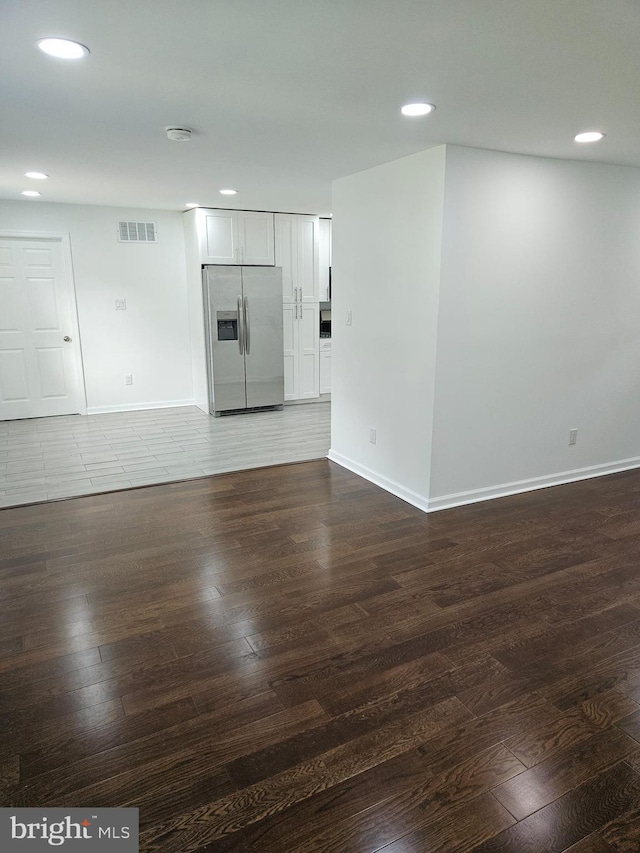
(50, 458)
(290, 659)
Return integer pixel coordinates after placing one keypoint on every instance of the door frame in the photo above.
(64, 239)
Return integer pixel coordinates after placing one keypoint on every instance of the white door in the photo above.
(40, 365)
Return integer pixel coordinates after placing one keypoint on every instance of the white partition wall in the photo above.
(539, 328)
(387, 227)
(533, 268)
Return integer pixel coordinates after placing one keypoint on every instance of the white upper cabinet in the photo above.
(325, 258)
(309, 258)
(235, 237)
(297, 252)
(218, 231)
(287, 255)
(255, 238)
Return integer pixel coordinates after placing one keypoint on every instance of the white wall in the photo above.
(196, 310)
(151, 338)
(539, 324)
(385, 269)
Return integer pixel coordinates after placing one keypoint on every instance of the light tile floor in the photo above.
(50, 458)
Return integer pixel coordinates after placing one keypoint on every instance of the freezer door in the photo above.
(262, 309)
(225, 338)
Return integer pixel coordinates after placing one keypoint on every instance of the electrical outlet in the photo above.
(128, 379)
(573, 436)
(121, 304)
(372, 436)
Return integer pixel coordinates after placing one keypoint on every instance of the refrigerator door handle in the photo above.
(247, 327)
(240, 326)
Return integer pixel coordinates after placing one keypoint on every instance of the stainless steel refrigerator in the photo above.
(243, 323)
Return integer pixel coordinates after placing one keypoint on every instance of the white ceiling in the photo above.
(286, 95)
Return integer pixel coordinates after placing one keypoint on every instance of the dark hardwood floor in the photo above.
(291, 659)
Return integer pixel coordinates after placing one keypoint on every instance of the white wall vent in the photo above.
(137, 232)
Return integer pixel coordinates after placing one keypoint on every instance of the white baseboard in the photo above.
(489, 493)
(137, 407)
(322, 398)
(518, 486)
(396, 489)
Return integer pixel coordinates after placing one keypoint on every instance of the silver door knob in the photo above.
(66, 338)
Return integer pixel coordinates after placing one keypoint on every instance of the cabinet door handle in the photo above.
(296, 310)
(295, 292)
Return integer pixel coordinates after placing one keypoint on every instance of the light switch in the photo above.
(121, 304)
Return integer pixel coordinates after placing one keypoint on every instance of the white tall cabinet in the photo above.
(325, 259)
(297, 252)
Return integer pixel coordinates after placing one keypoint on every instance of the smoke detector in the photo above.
(178, 134)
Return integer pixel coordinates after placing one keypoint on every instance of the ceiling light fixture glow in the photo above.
(37, 176)
(228, 192)
(589, 136)
(63, 48)
(30, 193)
(417, 109)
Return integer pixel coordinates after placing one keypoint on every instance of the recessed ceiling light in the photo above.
(63, 48)
(228, 192)
(417, 109)
(191, 204)
(37, 176)
(589, 136)
(30, 193)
